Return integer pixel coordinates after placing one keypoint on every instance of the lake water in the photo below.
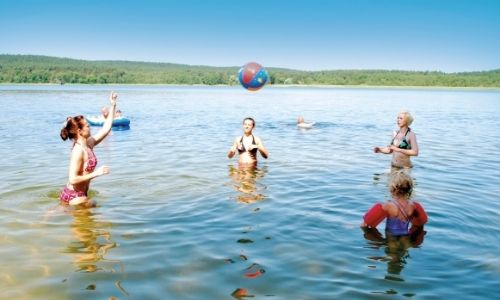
(176, 220)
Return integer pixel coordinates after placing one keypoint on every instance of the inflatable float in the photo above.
(99, 121)
(377, 214)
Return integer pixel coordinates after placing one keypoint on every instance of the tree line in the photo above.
(54, 70)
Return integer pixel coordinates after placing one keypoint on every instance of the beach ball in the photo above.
(253, 76)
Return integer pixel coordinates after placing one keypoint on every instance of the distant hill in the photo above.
(45, 69)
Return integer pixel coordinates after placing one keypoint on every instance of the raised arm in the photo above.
(108, 123)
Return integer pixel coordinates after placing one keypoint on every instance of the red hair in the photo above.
(71, 127)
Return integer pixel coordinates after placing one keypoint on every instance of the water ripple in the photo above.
(177, 220)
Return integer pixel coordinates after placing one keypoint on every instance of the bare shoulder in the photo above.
(387, 205)
(412, 136)
(257, 139)
(77, 151)
(411, 206)
(390, 208)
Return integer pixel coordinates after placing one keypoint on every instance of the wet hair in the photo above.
(408, 117)
(401, 184)
(71, 126)
(250, 119)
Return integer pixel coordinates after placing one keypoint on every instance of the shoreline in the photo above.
(280, 86)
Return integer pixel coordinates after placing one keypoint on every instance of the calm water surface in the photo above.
(177, 220)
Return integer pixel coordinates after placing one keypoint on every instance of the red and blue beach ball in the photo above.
(253, 76)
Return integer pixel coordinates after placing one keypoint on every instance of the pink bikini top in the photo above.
(91, 162)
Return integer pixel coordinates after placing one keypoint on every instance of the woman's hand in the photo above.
(393, 148)
(232, 151)
(108, 122)
(385, 150)
(259, 145)
(239, 146)
(102, 171)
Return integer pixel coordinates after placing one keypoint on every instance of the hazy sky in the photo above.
(443, 35)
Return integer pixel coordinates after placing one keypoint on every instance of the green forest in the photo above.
(54, 70)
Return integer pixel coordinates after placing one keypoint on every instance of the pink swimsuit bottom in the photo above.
(68, 194)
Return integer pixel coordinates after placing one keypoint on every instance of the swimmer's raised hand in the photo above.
(113, 98)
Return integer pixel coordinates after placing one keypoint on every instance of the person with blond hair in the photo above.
(403, 144)
(400, 211)
(301, 123)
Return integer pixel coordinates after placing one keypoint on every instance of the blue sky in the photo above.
(442, 35)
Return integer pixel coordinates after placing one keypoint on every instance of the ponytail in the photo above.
(64, 134)
(71, 126)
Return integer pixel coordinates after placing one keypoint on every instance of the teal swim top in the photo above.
(404, 143)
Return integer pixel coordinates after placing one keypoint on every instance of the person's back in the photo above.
(398, 212)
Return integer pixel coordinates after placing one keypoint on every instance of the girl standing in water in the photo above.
(399, 212)
(82, 167)
(248, 145)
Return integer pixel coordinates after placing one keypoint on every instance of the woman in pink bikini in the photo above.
(82, 167)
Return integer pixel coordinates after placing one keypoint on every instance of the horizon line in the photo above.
(267, 67)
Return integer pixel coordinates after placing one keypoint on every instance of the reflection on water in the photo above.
(92, 242)
(396, 249)
(245, 180)
(377, 177)
(241, 293)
